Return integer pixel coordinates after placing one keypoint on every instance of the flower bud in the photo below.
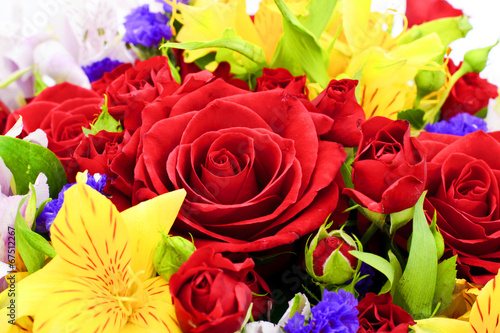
(428, 81)
(170, 254)
(328, 260)
(475, 60)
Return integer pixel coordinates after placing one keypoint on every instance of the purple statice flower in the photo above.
(167, 8)
(146, 28)
(461, 124)
(49, 213)
(97, 69)
(336, 313)
(363, 285)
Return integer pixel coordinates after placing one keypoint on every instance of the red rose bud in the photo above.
(325, 250)
(328, 260)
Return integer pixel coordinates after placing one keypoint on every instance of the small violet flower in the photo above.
(97, 69)
(461, 124)
(146, 28)
(336, 313)
(47, 217)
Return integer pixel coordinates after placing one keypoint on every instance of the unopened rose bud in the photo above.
(475, 60)
(170, 254)
(325, 251)
(327, 257)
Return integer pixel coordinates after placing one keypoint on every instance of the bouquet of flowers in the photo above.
(222, 166)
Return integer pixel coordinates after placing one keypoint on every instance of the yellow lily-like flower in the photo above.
(485, 313)
(102, 279)
(366, 48)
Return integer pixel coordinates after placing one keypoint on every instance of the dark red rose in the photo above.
(223, 71)
(389, 170)
(281, 79)
(256, 173)
(421, 11)
(338, 101)
(4, 113)
(60, 111)
(210, 293)
(469, 94)
(378, 314)
(138, 86)
(463, 188)
(100, 86)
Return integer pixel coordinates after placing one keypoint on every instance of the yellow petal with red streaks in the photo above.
(31, 291)
(145, 222)
(485, 313)
(80, 305)
(158, 312)
(133, 328)
(90, 235)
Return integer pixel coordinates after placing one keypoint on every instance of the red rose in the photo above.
(100, 86)
(138, 86)
(281, 79)
(60, 111)
(256, 173)
(338, 102)
(469, 94)
(463, 188)
(4, 113)
(377, 313)
(210, 293)
(418, 11)
(389, 170)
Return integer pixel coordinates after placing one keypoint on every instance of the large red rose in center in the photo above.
(256, 173)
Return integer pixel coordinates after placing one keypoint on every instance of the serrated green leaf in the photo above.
(26, 160)
(299, 51)
(380, 264)
(249, 50)
(445, 283)
(448, 29)
(105, 122)
(414, 116)
(318, 15)
(415, 289)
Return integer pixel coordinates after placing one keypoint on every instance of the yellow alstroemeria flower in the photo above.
(485, 313)
(366, 46)
(102, 279)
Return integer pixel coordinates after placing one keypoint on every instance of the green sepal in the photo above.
(27, 160)
(105, 122)
(414, 116)
(482, 113)
(399, 219)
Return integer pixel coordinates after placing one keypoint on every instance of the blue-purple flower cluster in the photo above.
(97, 69)
(461, 124)
(336, 313)
(49, 213)
(146, 28)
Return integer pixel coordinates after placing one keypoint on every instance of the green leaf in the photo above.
(445, 283)
(415, 289)
(448, 29)
(345, 170)
(319, 13)
(397, 271)
(33, 259)
(482, 113)
(14, 76)
(414, 116)
(26, 160)
(105, 122)
(299, 51)
(380, 264)
(249, 50)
